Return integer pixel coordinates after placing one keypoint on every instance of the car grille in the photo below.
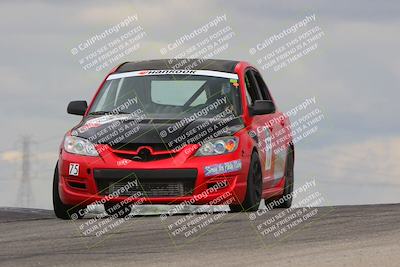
(135, 146)
(150, 157)
(151, 183)
(151, 189)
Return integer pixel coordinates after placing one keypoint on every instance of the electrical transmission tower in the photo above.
(24, 196)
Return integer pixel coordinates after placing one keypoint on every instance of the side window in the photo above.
(251, 88)
(263, 87)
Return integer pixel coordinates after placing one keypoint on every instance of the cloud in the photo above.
(11, 156)
(14, 156)
(370, 162)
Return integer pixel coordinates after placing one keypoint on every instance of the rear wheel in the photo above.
(62, 211)
(254, 187)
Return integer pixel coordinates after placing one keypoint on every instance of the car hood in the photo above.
(118, 130)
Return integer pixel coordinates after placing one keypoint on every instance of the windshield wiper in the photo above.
(107, 113)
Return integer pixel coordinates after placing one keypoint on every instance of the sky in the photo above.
(354, 74)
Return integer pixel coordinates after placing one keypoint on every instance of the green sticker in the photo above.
(233, 81)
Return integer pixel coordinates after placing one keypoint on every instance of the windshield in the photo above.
(168, 95)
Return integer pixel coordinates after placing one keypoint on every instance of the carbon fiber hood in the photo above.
(118, 130)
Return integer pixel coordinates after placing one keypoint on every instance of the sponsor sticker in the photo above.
(142, 73)
(221, 168)
(268, 149)
(234, 82)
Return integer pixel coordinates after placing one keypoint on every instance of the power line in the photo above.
(24, 196)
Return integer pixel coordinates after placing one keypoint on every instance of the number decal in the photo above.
(268, 149)
(74, 169)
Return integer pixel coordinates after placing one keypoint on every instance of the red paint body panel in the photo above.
(237, 181)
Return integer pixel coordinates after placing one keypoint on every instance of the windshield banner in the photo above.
(173, 72)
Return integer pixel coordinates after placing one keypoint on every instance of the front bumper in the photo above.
(181, 178)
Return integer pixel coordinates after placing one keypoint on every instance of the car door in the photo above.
(276, 126)
(260, 129)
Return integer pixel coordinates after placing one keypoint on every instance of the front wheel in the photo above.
(62, 211)
(254, 187)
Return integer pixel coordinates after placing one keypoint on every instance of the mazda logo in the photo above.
(143, 154)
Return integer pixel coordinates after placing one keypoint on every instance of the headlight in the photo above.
(77, 145)
(218, 146)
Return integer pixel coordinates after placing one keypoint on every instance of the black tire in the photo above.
(62, 211)
(254, 187)
(289, 182)
(117, 209)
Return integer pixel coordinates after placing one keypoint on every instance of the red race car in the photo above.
(207, 132)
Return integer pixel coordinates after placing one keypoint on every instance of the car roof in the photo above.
(163, 64)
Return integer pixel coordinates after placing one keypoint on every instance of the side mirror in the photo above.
(261, 107)
(77, 107)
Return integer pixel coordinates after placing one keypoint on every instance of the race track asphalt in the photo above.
(325, 236)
